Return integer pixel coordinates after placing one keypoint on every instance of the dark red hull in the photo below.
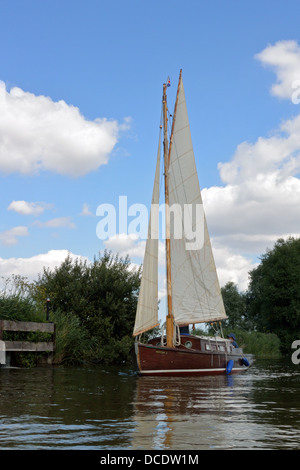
(194, 356)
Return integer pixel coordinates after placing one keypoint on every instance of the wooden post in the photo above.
(2, 353)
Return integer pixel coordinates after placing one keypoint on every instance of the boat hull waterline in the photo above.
(154, 359)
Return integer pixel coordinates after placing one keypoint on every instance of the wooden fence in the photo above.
(29, 346)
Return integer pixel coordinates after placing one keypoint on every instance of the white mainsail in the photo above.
(196, 295)
(147, 308)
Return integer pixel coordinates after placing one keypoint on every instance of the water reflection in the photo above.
(259, 409)
(186, 412)
(109, 408)
(65, 408)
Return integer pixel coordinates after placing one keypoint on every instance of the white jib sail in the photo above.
(147, 308)
(196, 295)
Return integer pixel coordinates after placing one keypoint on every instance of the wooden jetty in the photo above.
(26, 346)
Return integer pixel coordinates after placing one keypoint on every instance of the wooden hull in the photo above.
(194, 356)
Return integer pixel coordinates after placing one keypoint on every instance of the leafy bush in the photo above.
(73, 343)
(93, 307)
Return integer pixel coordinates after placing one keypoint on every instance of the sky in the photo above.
(80, 106)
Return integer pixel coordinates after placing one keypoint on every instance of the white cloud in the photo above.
(37, 134)
(231, 265)
(259, 200)
(10, 237)
(85, 210)
(132, 245)
(65, 222)
(31, 267)
(284, 58)
(28, 208)
(126, 244)
(260, 207)
(276, 155)
(261, 194)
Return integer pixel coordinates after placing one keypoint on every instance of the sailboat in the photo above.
(193, 290)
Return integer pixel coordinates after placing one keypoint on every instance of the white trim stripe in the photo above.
(170, 371)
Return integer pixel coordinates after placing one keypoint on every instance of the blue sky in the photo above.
(81, 89)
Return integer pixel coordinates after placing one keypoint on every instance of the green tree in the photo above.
(235, 306)
(102, 296)
(274, 294)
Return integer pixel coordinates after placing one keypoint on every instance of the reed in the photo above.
(262, 345)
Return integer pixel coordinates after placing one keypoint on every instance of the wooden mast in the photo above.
(170, 317)
(167, 153)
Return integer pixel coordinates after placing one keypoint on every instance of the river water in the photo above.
(97, 408)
